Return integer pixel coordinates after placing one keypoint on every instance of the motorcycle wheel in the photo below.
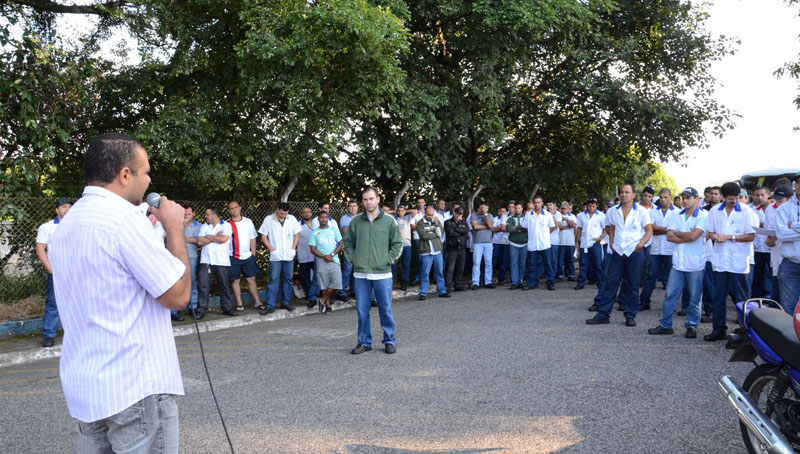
(758, 385)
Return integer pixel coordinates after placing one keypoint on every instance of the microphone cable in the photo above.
(208, 375)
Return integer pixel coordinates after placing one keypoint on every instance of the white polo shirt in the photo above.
(660, 245)
(591, 227)
(789, 236)
(241, 233)
(650, 211)
(628, 232)
(771, 222)
(728, 256)
(555, 235)
(414, 219)
(567, 236)
(217, 254)
(538, 226)
(280, 236)
(45, 232)
(688, 257)
(443, 216)
(304, 254)
(760, 243)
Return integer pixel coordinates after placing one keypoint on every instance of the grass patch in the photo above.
(30, 307)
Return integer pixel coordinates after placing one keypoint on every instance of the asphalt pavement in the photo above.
(485, 371)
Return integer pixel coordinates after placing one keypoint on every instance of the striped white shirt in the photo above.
(118, 345)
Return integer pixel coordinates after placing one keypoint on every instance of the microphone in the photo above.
(153, 199)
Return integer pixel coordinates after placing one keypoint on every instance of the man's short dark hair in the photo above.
(370, 188)
(322, 203)
(352, 201)
(707, 190)
(730, 188)
(717, 188)
(283, 206)
(483, 202)
(665, 191)
(550, 201)
(762, 188)
(517, 203)
(213, 210)
(321, 212)
(107, 155)
(782, 181)
(538, 197)
(630, 185)
(419, 197)
(458, 210)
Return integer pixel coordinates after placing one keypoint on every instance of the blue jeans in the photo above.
(592, 264)
(417, 260)
(438, 271)
(146, 427)
(49, 330)
(347, 276)
(310, 284)
(565, 265)
(538, 263)
(280, 278)
(383, 295)
(405, 265)
(481, 250)
(500, 260)
(658, 264)
(789, 284)
(519, 257)
(554, 260)
(762, 276)
(683, 282)
(622, 267)
(723, 281)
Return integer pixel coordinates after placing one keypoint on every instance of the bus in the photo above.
(767, 177)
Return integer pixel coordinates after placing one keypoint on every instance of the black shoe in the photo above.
(644, 307)
(422, 297)
(373, 303)
(531, 287)
(360, 348)
(716, 336)
(489, 285)
(404, 287)
(389, 349)
(474, 287)
(230, 313)
(620, 307)
(311, 304)
(514, 287)
(200, 314)
(663, 286)
(593, 308)
(559, 278)
(659, 330)
(328, 310)
(177, 317)
(591, 282)
(416, 282)
(287, 307)
(551, 286)
(444, 295)
(458, 289)
(321, 307)
(579, 287)
(342, 298)
(572, 278)
(501, 282)
(265, 311)
(681, 313)
(48, 342)
(691, 333)
(706, 319)
(630, 322)
(597, 321)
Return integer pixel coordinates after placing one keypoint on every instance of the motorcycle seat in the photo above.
(776, 328)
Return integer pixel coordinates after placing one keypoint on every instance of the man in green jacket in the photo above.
(430, 252)
(372, 243)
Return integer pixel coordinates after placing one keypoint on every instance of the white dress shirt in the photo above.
(538, 226)
(650, 211)
(688, 257)
(118, 343)
(567, 236)
(759, 244)
(216, 254)
(45, 233)
(771, 222)
(729, 256)
(591, 227)
(555, 235)
(628, 232)
(660, 245)
(280, 236)
(789, 212)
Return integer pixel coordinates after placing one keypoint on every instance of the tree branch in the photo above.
(99, 9)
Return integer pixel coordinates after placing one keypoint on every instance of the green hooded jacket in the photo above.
(372, 246)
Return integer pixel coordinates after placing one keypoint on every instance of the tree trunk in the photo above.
(533, 194)
(471, 200)
(288, 190)
(400, 194)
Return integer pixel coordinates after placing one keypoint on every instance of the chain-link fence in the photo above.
(22, 275)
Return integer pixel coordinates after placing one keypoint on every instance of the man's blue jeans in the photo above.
(49, 330)
(347, 276)
(500, 260)
(405, 265)
(310, 283)
(519, 258)
(382, 289)
(417, 260)
(789, 282)
(538, 263)
(723, 281)
(658, 264)
(622, 267)
(680, 282)
(554, 260)
(592, 264)
(438, 271)
(482, 250)
(280, 278)
(708, 288)
(762, 276)
(565, 266)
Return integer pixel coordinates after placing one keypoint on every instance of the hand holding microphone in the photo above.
(169, 213)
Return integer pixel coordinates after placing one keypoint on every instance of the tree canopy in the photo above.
(248, 97)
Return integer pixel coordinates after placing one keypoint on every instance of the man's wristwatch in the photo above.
(733, 238)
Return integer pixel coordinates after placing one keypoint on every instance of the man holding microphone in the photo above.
(114, 288)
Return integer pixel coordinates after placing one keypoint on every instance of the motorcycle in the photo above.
(768, 402)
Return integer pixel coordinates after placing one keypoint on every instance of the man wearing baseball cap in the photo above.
(43, 236)
(782, 193)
